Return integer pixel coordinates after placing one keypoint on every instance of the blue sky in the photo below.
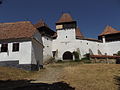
(92, 15)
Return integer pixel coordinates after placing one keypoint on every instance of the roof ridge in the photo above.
(16, 22)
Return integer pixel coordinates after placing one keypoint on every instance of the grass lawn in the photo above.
(80, 76)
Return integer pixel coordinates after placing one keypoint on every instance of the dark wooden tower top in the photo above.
(110, 34)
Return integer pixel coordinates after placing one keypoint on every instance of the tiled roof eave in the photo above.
(109, 33)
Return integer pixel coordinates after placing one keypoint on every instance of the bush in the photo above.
(86, 56)
(76, 55)
(118, 53)
(59, 61)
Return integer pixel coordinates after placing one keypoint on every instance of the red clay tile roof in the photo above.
(109, 30)
(16, 30)
(41, 23)
(79, 35)
(66, 17)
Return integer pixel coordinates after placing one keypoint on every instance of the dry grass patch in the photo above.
(7, 73)
(91, 77)
(82, 76)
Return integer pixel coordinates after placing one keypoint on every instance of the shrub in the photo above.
(76, 55)
(87, 56)
(59, 61)
(118, 53)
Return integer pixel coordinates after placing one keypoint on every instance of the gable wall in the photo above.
(47, 50)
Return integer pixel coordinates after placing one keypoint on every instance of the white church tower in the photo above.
(65, 27)
(64, 44)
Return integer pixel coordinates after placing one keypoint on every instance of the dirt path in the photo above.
(49, 75)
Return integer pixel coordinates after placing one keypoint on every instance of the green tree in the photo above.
(118, 53)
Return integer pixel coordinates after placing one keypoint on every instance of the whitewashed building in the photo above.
(47, 39)
(20, 46)
(68, 38)
(28, 46)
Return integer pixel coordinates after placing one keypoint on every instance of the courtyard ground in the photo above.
(72, 75)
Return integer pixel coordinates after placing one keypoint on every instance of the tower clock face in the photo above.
(59, 27)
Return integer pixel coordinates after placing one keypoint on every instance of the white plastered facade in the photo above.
(66, 41)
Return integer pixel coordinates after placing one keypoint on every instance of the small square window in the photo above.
(15, 47)
(4, 47)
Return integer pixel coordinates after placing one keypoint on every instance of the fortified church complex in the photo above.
(68, 38)
(28, 46)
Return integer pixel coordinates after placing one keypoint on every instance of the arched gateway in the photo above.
(67, 56)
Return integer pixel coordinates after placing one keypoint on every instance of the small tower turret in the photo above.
(65, 22)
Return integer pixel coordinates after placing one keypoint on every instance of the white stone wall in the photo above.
(23, 55)
(112, 47)
(82, 45)
(47, 51)
(69, 33)
(62, 44)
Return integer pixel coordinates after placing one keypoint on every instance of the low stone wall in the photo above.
(109, 61)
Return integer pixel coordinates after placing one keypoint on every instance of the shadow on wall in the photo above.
(26, 85)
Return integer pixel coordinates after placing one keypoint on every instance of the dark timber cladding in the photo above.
(44, 29)
(111, 37)
(110, 34)
(67, 25)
